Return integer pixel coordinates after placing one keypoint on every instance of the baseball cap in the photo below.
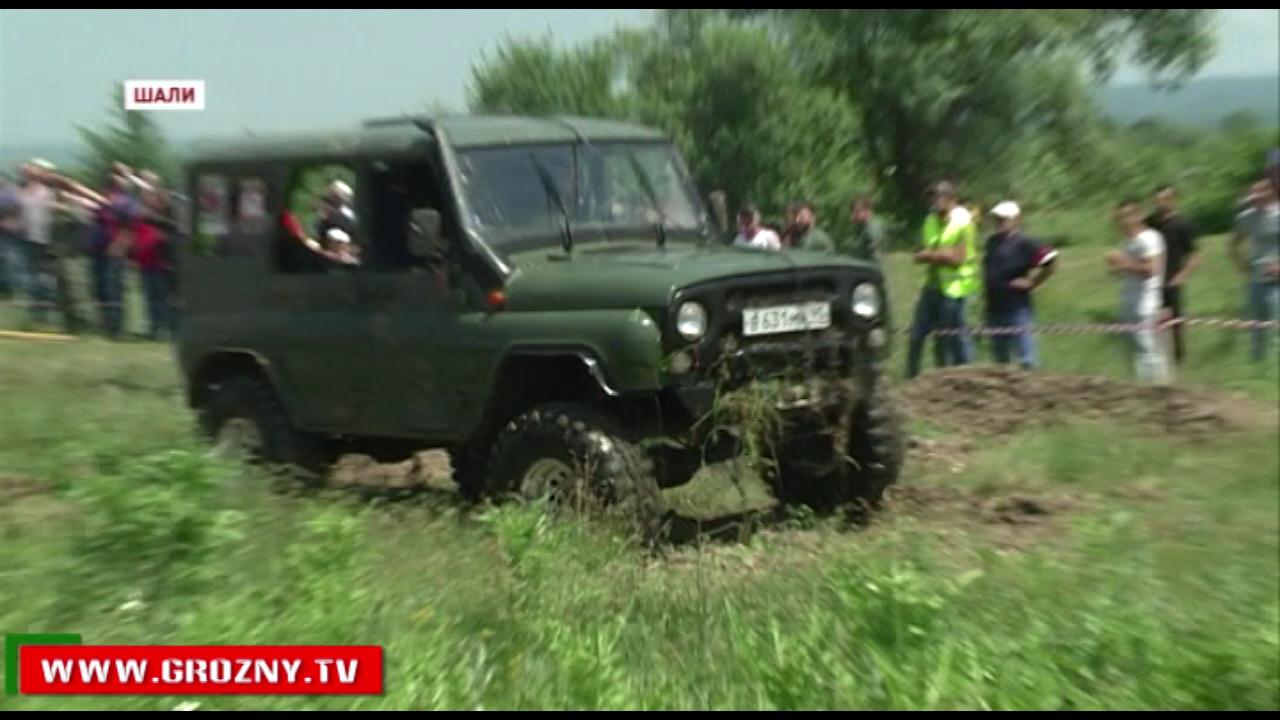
(1006, 210)
(341, 190)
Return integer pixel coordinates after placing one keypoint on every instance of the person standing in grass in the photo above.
(808, 236)
(148, 252)
(867, 241)
(10, 237)
(753, 234)
(106, 251)
(1258, 227)
(1182, 257)
(38, 202)
(951, 276)
(1013, 266)
(1139, 263)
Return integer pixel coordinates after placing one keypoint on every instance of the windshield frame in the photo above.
(584, 231)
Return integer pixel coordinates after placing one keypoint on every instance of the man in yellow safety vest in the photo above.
(950, 254)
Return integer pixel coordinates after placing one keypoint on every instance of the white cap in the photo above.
(1006, 210)
(338, 235)
(341, 189)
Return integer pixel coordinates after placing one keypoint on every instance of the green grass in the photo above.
(1153, 583)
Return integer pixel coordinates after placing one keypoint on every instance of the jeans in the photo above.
(1025, 341)
(108, 290)
(935, 311)
(155, 288)
(10, 283)
(1264, 304)
(1173, 302)
(37, 270)
(1147, 351)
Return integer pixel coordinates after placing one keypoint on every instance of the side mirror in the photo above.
(425, 233)
(719, 210)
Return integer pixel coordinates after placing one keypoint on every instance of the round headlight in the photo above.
(866, 300)
(691, 321)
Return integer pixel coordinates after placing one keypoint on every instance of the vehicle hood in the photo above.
(629, 274)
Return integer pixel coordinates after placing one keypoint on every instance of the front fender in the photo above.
(625, 345)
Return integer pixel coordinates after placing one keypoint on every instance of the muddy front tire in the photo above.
(876, 450)
(243, 414)
(570, 456)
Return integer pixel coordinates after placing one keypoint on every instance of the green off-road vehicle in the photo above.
(548, 299)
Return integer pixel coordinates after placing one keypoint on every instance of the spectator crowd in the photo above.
(129, 224)
(1157, 253)
(126, 223)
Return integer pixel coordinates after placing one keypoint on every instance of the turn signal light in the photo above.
(497, 300)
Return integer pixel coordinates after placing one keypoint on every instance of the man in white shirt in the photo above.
(754, 235)
(37, 201)
(1140, 264)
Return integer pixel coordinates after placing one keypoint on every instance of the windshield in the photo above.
(600, 184)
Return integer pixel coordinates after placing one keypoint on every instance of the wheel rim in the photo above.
(239, 436)
(546, 477)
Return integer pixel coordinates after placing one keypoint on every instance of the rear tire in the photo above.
(246, 409)
(569, 456)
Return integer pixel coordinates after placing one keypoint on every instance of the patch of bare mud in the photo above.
(992, 400)
(1016, 518)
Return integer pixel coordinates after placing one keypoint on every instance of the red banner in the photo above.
(199, 670)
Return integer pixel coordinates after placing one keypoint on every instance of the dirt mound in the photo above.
(1013, 519)
(989, 400)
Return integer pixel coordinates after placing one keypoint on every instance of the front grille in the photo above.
(795, 355)
(737, 300)
(725, 353)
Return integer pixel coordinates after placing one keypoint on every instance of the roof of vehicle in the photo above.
(402, 135)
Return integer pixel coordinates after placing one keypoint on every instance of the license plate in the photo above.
(786, 318)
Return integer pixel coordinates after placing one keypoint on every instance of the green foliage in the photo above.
(131, 137)
(1157, 589)
(148, 528)
(743, 116)
(536, 78)
(943, 93)
(774, 106)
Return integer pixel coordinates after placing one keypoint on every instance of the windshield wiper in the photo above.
(549, 185)
(643, 178)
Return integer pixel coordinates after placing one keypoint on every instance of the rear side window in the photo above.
(212, 212)
(251, 206)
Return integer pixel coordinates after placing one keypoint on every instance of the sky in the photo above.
(279, 70)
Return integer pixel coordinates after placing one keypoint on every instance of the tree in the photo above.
(537, 78)
(133, 137)
(945, 92)
(745, 119)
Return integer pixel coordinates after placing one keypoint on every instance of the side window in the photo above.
(396, 189)
(318, 228)
(213, 204)
(251, 206)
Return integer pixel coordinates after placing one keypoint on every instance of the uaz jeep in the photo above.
(545, 298)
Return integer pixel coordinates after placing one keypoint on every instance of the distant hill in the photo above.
(1201, 103)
